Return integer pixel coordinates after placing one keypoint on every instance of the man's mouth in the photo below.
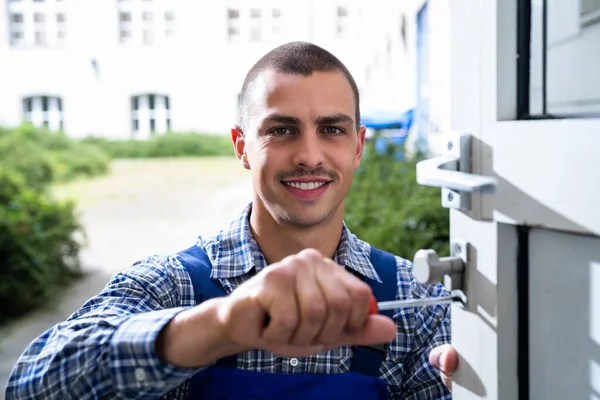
(307, 188)
(306, 185)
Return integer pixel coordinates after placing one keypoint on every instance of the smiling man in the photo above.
(274, 306)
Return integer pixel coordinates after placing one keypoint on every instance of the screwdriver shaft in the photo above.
(392, 305)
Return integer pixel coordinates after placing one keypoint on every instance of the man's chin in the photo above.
(307, 218)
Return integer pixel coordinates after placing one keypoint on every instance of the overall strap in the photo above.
(367, 359)
(386, 266)
(199, 267)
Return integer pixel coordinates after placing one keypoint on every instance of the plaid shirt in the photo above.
(106, 348)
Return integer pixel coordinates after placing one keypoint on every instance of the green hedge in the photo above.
(43, 156)
(387, 208)
(39, 244)
(40, 237)
(167, 145)
(26, 157)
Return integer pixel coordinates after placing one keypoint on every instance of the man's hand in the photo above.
(445, 359)
(302, 305)
(312, 305)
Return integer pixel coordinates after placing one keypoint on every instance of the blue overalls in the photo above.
(224, 381)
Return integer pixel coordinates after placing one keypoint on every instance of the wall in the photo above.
(201, 70)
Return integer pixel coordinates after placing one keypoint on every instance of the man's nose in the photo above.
(309, 151)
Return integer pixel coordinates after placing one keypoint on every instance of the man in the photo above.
(298, 282)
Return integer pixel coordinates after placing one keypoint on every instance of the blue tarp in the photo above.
(388, 120)
(397, 123)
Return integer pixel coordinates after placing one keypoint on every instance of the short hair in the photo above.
(297, 58)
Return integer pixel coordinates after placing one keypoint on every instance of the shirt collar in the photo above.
(234, 252)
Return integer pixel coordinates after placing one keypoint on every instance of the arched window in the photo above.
(44, 111)
(150, 114)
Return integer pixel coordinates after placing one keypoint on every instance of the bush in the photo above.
(387, 208)
(27, 158)
(117, 148)
(167, 145)
(38, 245)
(39, 236)
(53, 141)
(81, 159)
(43, 156)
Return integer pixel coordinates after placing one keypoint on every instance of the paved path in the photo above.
(128, 216)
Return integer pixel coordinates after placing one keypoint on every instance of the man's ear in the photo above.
(239, 146)
(360, 145)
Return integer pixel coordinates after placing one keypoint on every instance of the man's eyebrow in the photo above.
(333, 119)
(283, 119)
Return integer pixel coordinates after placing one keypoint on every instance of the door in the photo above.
(525, 89)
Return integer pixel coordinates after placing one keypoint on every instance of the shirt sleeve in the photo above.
(107, 347)
(429, 327)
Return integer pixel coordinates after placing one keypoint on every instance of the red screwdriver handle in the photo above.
(373, 309)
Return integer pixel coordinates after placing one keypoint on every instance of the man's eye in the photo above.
(332, 130)
(280, 131)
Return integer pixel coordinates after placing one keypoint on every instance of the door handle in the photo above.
(452, 172)
(430, 269)
(443, 172)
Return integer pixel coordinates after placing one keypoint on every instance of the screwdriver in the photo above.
(375, 307)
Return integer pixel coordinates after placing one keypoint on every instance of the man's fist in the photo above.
(302, 305)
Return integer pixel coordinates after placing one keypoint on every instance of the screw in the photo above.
(450, 145)
(456, 248)
(450, 197)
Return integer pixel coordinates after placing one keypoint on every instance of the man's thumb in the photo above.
(444, 358)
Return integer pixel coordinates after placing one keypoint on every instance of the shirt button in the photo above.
(140, 374)
(294, 362)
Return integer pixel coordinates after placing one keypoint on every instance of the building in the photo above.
(126, 68)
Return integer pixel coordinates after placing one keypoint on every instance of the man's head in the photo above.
(300, 134)
(296, 58)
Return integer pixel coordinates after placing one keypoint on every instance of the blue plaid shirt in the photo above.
(106, 348)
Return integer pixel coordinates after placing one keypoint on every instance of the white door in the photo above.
(525, 84)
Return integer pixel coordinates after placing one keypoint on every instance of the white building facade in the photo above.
(127, 68)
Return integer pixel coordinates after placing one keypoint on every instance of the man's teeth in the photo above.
(305, 185)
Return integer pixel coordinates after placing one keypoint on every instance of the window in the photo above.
(44, 111)
(587, 7)
(233, 24)
(148, 26)
(145, 22)
(61, 27)
(37, 23)
(276, 22)
(253, 24)
(17, 30)
(169, 23)
(150, 114)
(125, 27)
(557, 64)
(40, 29)
(342, 23)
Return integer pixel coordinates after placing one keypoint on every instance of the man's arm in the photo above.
(107, 347)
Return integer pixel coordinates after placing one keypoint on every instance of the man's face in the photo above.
(301, 145)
